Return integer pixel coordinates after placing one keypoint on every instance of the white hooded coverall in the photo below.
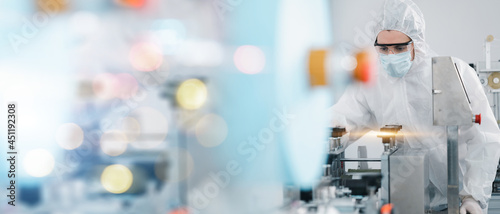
(407, 101)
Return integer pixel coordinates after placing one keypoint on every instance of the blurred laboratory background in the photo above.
(196, 106)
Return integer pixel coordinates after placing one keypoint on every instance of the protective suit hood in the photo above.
(406, 17)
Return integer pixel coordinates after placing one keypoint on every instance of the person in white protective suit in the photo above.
(402, 95)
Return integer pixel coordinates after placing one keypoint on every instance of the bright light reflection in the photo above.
(39, 162)
(191, 94)
(116, 178)
(249, 59)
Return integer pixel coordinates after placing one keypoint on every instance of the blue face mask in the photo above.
(396, 65)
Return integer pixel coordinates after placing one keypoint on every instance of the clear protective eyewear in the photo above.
(395, 48)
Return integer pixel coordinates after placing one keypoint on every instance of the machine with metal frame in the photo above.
(488, 72)
(447, 87)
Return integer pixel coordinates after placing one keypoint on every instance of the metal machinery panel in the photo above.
(494, 205)
(449, 104)
(409, 178)
(385, 187)
(489, 78)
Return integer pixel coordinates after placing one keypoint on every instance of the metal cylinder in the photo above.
(334, 144)
(453, 198)
(327, 170)
(392, 142)
(338, 144)
(331, 144)
(494, 105)
(387, 147)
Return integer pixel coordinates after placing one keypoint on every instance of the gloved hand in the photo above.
(469, 205)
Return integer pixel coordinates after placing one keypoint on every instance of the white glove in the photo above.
(469, 205)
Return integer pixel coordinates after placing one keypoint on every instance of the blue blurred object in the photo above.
(285, 31)
(29, 194)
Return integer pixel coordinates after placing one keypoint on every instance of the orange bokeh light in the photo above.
(179, 211)
(132, 3)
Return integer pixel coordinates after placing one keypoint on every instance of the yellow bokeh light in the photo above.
(39, 162)
(69, 136)
(191, 94)
(116, 178)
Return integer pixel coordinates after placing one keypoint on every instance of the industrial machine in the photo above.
(403, 169)
(355, 190)
(367, 191)
(488, 72)
(448, 88)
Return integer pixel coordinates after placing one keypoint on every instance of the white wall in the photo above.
(455, 28)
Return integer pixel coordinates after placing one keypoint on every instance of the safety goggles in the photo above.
(395, 48)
